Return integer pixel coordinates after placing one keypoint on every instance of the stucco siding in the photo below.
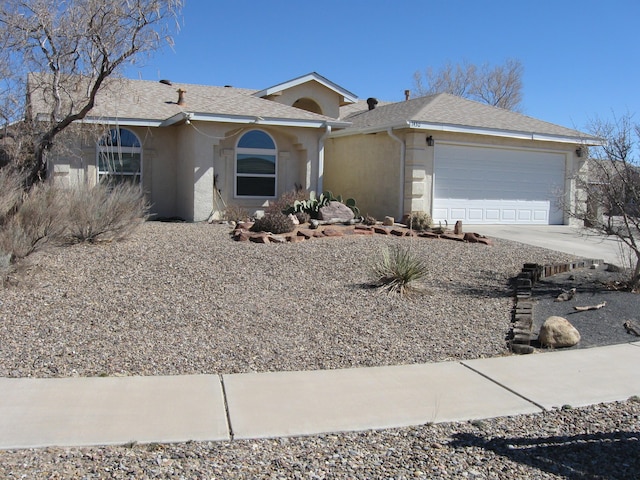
(367, 168)
(328, 100)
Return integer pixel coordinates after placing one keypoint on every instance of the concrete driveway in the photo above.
(562, 238)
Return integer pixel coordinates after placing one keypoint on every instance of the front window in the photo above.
(119, 157)
(256, 165)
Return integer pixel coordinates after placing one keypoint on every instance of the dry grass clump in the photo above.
(105, 212)
(47, 214)
(235, 213)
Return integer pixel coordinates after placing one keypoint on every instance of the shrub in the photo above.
(303, 217)
(235, 213)
(286, 200)
(419, 221)
(37, 221)
(398, 268)
(11, 192)
(369, 220)
(105, 212)
(273, 222)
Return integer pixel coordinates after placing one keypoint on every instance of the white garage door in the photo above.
(497, 185)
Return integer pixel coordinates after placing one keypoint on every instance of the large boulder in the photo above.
(335, 212)
(558, 332)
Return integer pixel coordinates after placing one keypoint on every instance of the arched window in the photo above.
(255, 165)
(119, 157)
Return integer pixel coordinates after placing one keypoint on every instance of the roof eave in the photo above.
(127, 122)
(258, 120)
(420, 125)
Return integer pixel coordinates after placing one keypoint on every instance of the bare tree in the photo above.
(500, 85)
(68, 44)
(612, 187)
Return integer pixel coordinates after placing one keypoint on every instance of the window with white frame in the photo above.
(119, 157)
(255, 165)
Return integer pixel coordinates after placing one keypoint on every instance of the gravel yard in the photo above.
(184, 299)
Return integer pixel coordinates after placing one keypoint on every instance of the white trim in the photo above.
(127, 122)
(442, 127)
(250, 120)
(347, 95)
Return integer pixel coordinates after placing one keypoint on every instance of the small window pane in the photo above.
(256, 186)
(259, 164)
(115, 179)
(120, 137)
(256, 139)
(119, 162)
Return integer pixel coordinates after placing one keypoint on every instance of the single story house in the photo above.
(196, 149)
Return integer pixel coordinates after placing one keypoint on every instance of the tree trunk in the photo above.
(38, 170)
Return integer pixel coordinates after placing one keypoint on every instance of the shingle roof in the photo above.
(155, 101)
(446, 110)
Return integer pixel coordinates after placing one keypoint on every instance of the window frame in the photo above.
(107, 149)
(255, 151)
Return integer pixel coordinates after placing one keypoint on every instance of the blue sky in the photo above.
(581, 58)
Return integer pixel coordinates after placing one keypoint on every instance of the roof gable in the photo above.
(347, 96)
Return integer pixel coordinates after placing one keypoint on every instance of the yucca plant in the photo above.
(398, 268)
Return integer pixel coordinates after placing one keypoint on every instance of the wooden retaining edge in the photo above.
(521, 331)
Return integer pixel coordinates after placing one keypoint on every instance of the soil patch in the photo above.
(593, 286)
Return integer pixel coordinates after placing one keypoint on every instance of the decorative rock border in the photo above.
(521, 333)
(242, 232)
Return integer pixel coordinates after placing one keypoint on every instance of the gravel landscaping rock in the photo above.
(185, 298)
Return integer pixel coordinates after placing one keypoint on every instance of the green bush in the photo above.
(105, 212)
(398, 268)
(273, 222)
(419, 221)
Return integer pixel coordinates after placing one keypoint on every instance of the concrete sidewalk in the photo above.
(101, 411)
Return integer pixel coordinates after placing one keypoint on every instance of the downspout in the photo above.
(321, 157)
(403, 150)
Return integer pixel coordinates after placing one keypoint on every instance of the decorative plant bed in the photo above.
(241, 232)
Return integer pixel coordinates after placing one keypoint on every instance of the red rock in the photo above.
(260, 237)
(332, 232)
(306, 233)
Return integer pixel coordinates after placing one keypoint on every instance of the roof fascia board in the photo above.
(348, 96)
(129, 122)
(273, 121)
(416, 125)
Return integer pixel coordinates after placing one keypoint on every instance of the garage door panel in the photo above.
(497, 185)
